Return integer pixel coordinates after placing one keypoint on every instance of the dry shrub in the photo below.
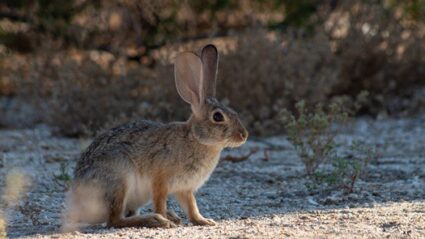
(360, 46)
(381, 52)
(16, 111)
(80, 93)
(153, 22)
(265, 74)
(131, 27)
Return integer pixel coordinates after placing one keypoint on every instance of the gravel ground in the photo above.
(256, 198)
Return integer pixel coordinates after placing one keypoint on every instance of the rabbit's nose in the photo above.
(243, 134)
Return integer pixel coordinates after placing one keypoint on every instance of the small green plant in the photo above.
(311, 133)
(347, 168)
(63, 175)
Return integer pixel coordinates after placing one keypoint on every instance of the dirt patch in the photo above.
(256, 198)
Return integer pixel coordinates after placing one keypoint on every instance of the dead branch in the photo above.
(236, 159)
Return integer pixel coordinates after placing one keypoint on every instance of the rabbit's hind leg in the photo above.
(116, 214)
(131, 212)
(173, 217)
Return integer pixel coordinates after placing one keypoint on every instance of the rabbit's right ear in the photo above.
(188, 72)
(209, 59)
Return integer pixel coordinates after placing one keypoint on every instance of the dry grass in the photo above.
(16, 184)
(3, 233)
(84, 205)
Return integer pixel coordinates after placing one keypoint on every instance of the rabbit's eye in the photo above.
(218, 117)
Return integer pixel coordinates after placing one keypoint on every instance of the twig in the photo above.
(266, 154)
(270, 146)
(235, 159)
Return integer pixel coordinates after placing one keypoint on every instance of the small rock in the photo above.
(312, 201)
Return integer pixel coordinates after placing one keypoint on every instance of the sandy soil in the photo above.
(255, 198)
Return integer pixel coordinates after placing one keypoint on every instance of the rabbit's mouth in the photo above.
(235, 143)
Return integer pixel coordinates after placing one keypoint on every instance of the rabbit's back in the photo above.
(114, 144)
(146, 149)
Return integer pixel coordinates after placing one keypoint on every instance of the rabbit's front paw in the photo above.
(204, 222)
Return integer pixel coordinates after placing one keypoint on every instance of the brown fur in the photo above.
(143, 160)
(188, 201)
(160, 193)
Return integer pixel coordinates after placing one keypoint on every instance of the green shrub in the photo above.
(346, 169)
(311, 134)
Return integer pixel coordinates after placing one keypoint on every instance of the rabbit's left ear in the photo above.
(188, 74)
(209, 57)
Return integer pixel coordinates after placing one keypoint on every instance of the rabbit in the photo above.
(130, 165)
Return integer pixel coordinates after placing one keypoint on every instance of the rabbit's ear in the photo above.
(209, 58)
(188, 73)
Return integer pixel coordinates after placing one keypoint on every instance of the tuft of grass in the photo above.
(16, 183)
(3, 233)
(64, 174)
(63, 178)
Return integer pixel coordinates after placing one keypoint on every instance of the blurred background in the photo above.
(80, 66)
